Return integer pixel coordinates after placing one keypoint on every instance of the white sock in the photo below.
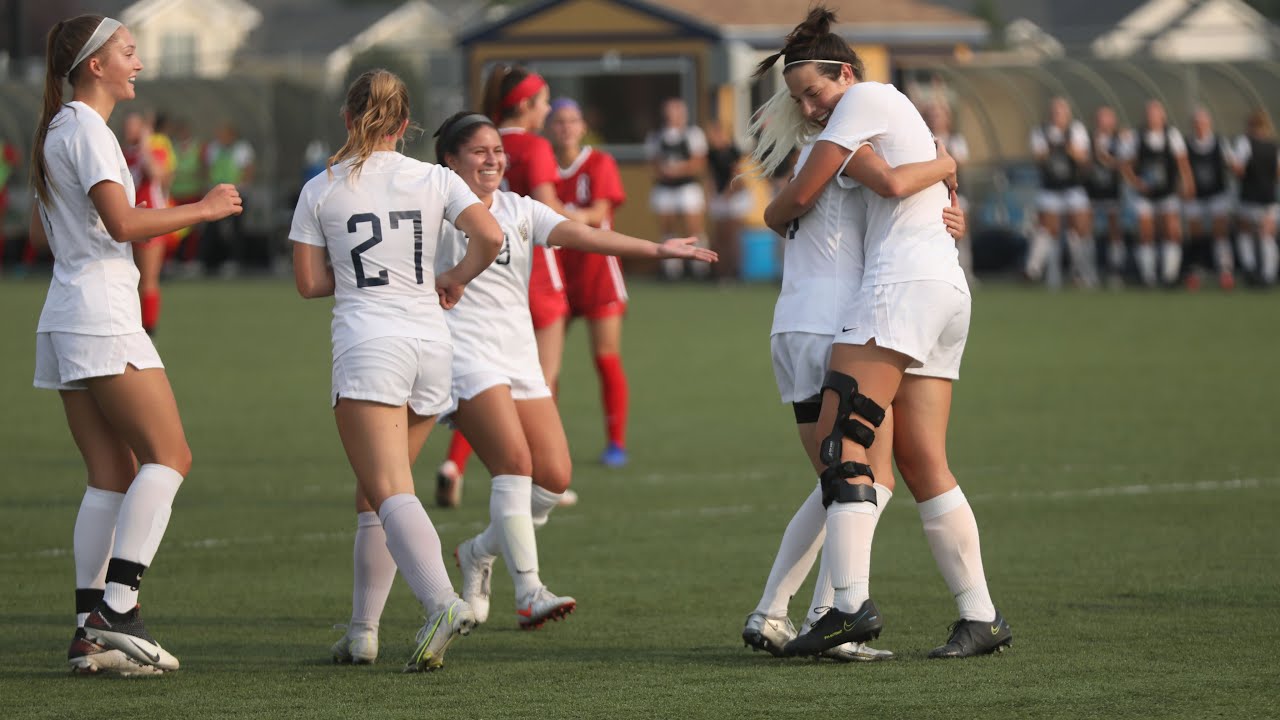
(1082, 260)
(1145, 255)
(375, 570)
(850, 529)
(92, 538)
(413, 542)
(1270, 258)
(824, 596)
(140, 525)
(1248, 255)
(1039, 253)
(1170, 261)
(799, 548)
(952, 533)
(1222, 255)
(542, 502)
(510, 507)
(1116, 257)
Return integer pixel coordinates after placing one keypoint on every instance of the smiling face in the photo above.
(565, 128)
(815, 93)
(116, 65)
(480, 161)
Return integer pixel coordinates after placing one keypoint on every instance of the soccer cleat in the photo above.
(974, 637)
(87, 657)
(614, 456)
(770, 634)
(856, 652)
(448, 485)
(355, 647)
(126, 632)
(541, 605)
(476, 573)
(836, 627)
(440, 631)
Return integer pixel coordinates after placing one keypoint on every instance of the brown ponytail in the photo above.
(813, 40)
(377, 105)
(502, 80)
(62, 44)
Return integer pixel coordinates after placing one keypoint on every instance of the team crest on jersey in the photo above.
(524, 231)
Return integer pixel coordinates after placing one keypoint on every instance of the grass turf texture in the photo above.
(1119, 451)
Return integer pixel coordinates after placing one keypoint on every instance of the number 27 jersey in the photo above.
(381, 229)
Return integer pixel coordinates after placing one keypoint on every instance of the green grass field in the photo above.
(1119, 450)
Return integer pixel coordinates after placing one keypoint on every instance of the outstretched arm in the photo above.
(575, 235)
(127, 223)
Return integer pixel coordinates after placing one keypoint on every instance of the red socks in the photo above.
(150, 309)
(459, 451)
(614, 395)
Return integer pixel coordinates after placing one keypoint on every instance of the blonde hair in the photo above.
(779, 127)
(377, 105)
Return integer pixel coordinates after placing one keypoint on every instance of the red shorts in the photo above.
(594, 284)
(547, 301)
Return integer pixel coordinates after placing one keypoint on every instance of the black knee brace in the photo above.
(835, 489)
(807, 410)
(851, 402)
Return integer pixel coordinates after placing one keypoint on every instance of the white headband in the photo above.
(100, 36)
(829, 62)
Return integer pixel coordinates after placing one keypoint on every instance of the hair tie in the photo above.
(100, 36)
(829, 62)
(530, 86)
(451, 133)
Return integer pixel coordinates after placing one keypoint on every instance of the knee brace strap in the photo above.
(851, 402)
(835, 489)
(807, 410)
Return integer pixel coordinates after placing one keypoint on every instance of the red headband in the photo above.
(529, 87)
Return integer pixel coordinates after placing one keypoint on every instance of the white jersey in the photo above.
(821, 253)
(906, 239)
(491, 325)
(381, 229)
(94, 290)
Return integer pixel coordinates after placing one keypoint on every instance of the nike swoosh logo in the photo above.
(995, 629)
(528, 612)
(845, 329)
(153, 657)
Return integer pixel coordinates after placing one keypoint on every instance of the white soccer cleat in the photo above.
(542, 605)
(856, 652)
(476, 573)
(440, 631)
(770, 634)
(355, 647)
(127, 633)
(87, 657)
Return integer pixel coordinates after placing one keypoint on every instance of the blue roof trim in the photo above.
(690, 27)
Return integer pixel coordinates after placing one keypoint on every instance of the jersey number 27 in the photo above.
(375, 224)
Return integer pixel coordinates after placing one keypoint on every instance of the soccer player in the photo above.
(151, 163)
(367, 232)
(938, 116)
(1209, 212)
(590, 189)
(519, 101)
(1103, 182)
(1256, 159)
(819, 254)
(678, 154)
(910, 311)
(1158, 170)
(1061, 148)
(90, 345)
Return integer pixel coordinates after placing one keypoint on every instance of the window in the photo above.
(620, 96)
(178, 54)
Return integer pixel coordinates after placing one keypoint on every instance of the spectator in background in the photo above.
(230, 160)
(188, 186)
(1061, 149)
(938, 117)
(1157, 168)
(149, 155)
(1257, 163)
(678, 152)
(10, 162)
(1103, 182)
(730, 201)
(1210, 210)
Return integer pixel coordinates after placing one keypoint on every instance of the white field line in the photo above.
(1133, 490)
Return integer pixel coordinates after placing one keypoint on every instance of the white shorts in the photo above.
(1062, 201)
(64, 361)
(396, 371)
(1146, 207)
(1256, 214)
(926, 320)
(472, 384)
(735, 205)
(800, 361)
(687, 199)
(1206, 210)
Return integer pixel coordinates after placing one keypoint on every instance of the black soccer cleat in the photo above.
(837, 628)
(126, 632)
(973, 637)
